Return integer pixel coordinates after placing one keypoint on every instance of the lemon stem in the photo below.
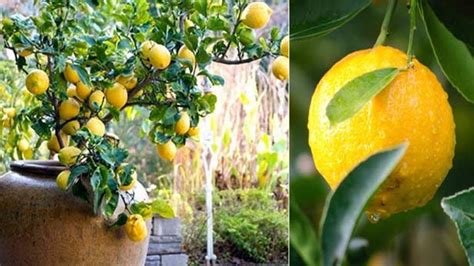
(384, 32)
(412, 31)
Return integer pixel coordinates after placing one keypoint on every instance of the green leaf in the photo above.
(121, 220)
(162, 208)
(303, 236)
(82, 74)
(311, 18)
(111, 204)
(460, 209)
(453, 56)
(346, 203)
(357, 92)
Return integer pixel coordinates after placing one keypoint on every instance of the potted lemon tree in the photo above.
(85, 62)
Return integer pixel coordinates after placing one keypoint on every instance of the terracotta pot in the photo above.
(42, 225)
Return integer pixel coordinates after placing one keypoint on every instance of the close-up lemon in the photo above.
(71, 127)
(185, 53)
(53, 143)
(135, 227)
(69, 155)
(413, 108)
(166, 151)
(129, 82)
(96, 126)
(183, 124)
(285, 46)
(62, 179)
(37, 82)
(159, 56)
(116, 95)
(82, 90)
(193, 131)
(96, 99)
(23, 145)
(256, 15)
(281, 68)
(71, 75)
(69, 109)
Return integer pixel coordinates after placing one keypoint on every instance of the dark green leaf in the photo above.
(453, 56)
(346, 203)
(357, 92)
(303, 236)
(311, 18)
(111, 204)
(80, 191)
(121, 220)
(460, 209)
(82, 74)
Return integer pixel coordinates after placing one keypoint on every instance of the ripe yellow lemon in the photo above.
(116, 95)
(69, 109)
(159, 56)
(26, 52)
(10, 112)
(82, 90)
(135, 227)
(183, 124)
(413, 107)
(96, 126)
(37, 82)
(71, 75)
(166, 151)
(185, 53)
(71, 91)
(193, 131)
(69, 155)
(281, 67)
(53, 144)
(129, 82)
(97, 98)
(133, 176)
(145, 48)
(71, 127)
(256, 15)
(23, 145)
(62, 179)
(284, 46)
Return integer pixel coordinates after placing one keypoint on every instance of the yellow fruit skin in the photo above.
(71, 75)
(71, 127)
(116, 95)
(37, 82)
(96, 126)
(413, 107)
(23, 145)
(62, 179)
(281, 67)
(135, 227)
(82, 90)
(185, 53)
(10, 112)
(159, 56)
(256, 15)
(69, 109)
(53, 144)
(167, 151)
(183, 124)
(71, 91)
(26, 52)
(97, 97)
(146, 47)
(129, 82)
(193, 131)
(69, 155)
(284, 46)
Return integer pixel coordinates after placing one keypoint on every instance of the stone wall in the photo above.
(165, 248)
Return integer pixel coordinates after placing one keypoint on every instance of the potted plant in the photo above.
(85, 62)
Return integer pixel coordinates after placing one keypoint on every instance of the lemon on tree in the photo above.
(69, 155)
(69, 109)
(10, 112)
(53, 143)
(145, 48)
(71, 75)
(37, 82)
(135, 227)
(284, 46)
(71, 92)
(412, 108)
(167, 150)
(62, 179)
(96, 99)
(23, 145)
(159, 56)
(185, 53)
(129, 82)
(71, 127)
(96, 126)
(281, 67)
(82, 90)
(116, 95)
(183, 124)
(256, 15)
(193, 131)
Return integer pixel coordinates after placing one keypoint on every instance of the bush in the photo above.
(248, 227)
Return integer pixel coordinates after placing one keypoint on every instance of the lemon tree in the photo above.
(381, 129)
(86, 61)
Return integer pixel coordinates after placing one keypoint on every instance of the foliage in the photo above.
(249, 227)
(103, 41)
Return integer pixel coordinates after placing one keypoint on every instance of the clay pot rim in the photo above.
(44, 168)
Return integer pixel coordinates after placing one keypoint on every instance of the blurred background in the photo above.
(248, 136)
(423, 236)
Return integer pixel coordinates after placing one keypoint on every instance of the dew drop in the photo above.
(374, 217)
